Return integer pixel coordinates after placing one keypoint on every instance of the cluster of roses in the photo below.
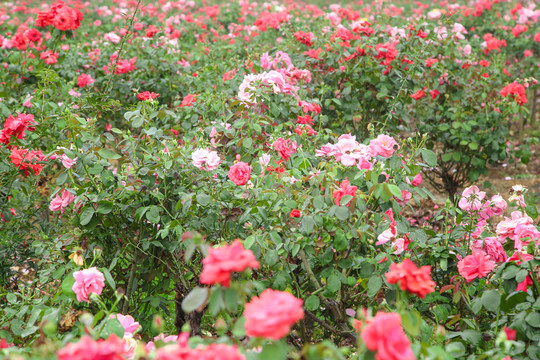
(60, 16)
(489, 251)
(270, 315)
(282, 77)
(350, 152)
(23, 159)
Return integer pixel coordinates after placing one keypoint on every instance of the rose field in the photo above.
(250, 180)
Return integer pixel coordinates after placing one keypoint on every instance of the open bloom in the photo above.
(240, 173)
(410, 278)
(272, 314)
(384, 334)
(477, 265)
(59, 203)
(221, 262)
(88, 281)
(471, 199)
(202, 157)
(383, 145)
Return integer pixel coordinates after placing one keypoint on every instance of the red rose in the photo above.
(295, 213)
(412, 279)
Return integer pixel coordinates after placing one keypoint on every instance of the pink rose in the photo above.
(471, 199)
(88, 281)
(383, 145)
(272, 314)
(384, 334)
(240, 173)
(59, 203)
(477, 265)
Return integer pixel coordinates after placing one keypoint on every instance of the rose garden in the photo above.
(245, 180)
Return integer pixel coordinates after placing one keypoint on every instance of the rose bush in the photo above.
(185, 180)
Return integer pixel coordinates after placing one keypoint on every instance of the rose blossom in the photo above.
(477, 265)
(88, 348)
(384, 334)
(201, 157)
(240, 173)
(88, 281)
(272, 314)
(492, 247)
(471, 199)
(383, 145)
(59, 203)
(412, 279)
(223, 261)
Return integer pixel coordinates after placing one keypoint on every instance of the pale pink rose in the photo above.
(67, 161)
(128, 323)
(434, 15)
(326, 150)
(524, 234)
(498, 205)
(471, 199)
(88, 281)
(264, 160)
(467, 50)
(202, 157)
(507, 227)
(59, 203)
(386, 236)
(383, 145)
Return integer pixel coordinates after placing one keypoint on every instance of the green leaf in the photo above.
(152, 214)
(374, 285)
(196, 299)
(318, 202)
(105, 207)
(340, 241)
(248, 142)
(61, 179)
(307, 224)
(112, 326)
(67, 285)
(273, 351)
(429, 157)
(108, 154)
(12, 298)
(411, 321)
(109, 278)
(86, 215)
(342, 213)
(313, 303)
(333, 283)
(491, 299)
(203, 199)
(393, 190)
(533, 319)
